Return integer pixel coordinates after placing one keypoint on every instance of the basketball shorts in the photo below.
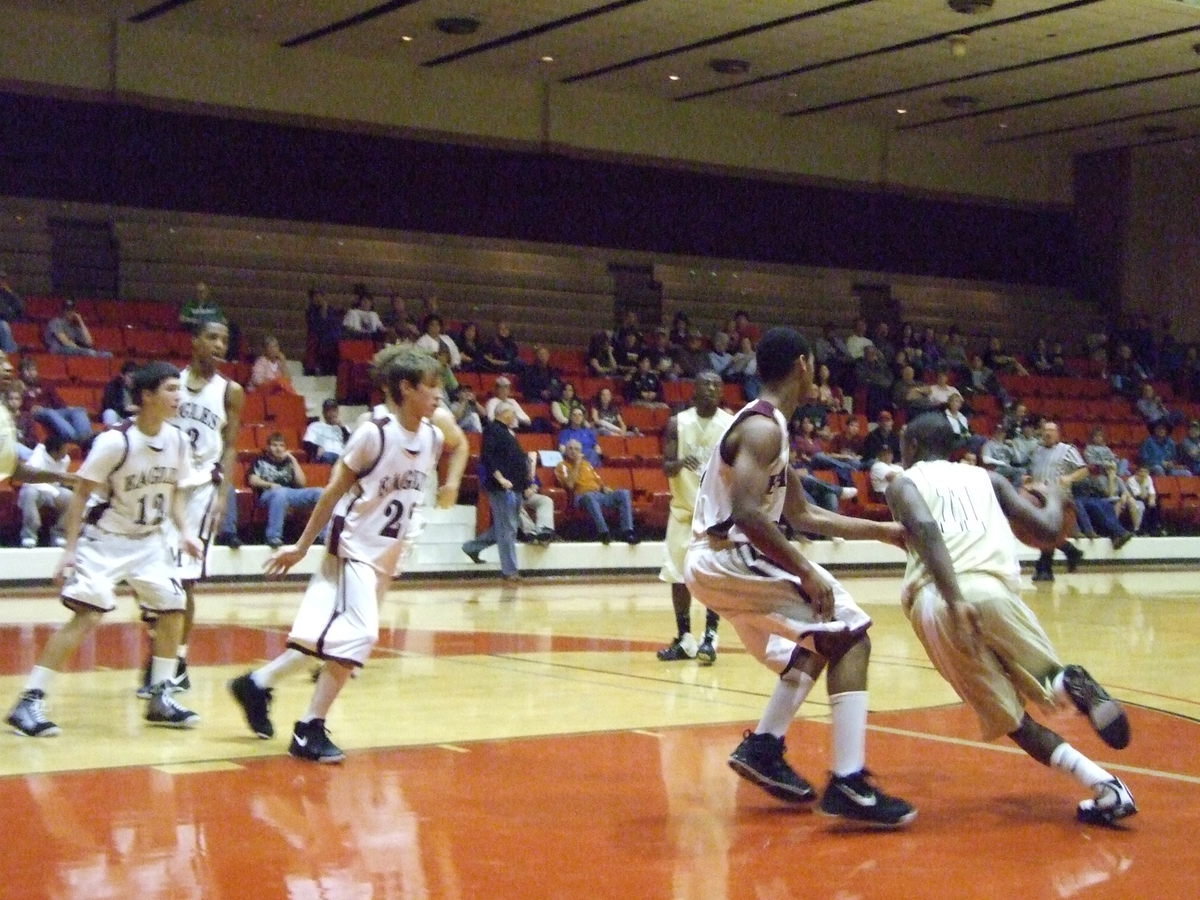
(339, 615)
(1017, 663)
(765, 604)
(198, 513)
(679, 536)
(103, 560)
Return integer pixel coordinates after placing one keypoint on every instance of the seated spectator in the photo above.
(433, 339)
(959, 422)
(502, 354)
(857, 341)
(467, 412)
(1189, 448)
(955, 355)
(577, 430)
(883, 470)
(70, 424)
(1024, 442)
(998, 359)
(270, 373)
(201, 308)
(627, 353)
(745, 328)
(883, 342)
(504, 395)
(692, 358)
(677, 337)
(996, 454)
(324, 323)
(883, 435)
(744, 370)
(629, 326)
(68, 335)
(931, 348)
(982, 380)
(662, 357)
(1147, 518)
(280, 483)
(12, 309)
(602, 363)
(809, 452)
(1014, 417)
(1125, 373)
(606, 416)
(1159, 454)
(470, 349)
(541, 382)
(829, 395)
(33, 498)
(590, 493)
(829, 349)
(645, 387)
(872, 374)
(942, 390)
(535, 521)
(910, 395)
(560, 408)
(1041, 360)
(1096, 497)
(117, 403)
(361, 320)
(1152, 409)
(1099, 455)
(811, 407)
(23, 422)
(847, 445)
(325, 439)
(396, 316)
(719, 356)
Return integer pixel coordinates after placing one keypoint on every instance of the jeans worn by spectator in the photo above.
(505, 507)
(595, 502)
(278, 500)
(71, 423)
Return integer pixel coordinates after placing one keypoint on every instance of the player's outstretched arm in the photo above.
(340, 480)
(808, 517)
(1044, 523)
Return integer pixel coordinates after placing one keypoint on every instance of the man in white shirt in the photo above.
(325, 439)
(883, 470)
(504, 396)
(33, 498)
(858, 342)
(362, 321)
(433, 340)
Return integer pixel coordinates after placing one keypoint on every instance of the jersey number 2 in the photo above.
(395, 513)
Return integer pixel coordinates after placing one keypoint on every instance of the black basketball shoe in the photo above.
(163, 710)
(1093, 701)
(1113, 801)
(759, 759)
(853, 797)
(683, 647)
(310, 740)
(255, 703)
(28, 717)
(706, 653)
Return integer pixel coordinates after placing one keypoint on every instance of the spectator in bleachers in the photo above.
(33, 498)
(396, 316)
(541, 382)
(324, 322)
(1140, 337)
(627, 352)
(1098, 454)
(117, 403)
(809, 451)
(1098, 498)
(645, 387)
(281, 485)
(954, 354)
(606, 415)
(506, 477)
(692, 358)
(745, 328)
(602, 363)
(68, 334)
(12, 309)
(22, 421)
(201, 308)
(69, 423)
(982, 380)
(848, 444)
(270, 373)
(629, 326)
(1024, 441)
(433, 338)
(1159, 452)
(996, 358)
(467, 412)
(325, 439)
(744, 370)
(857, 342)
(883, 435)
(1189, 448)
(884, 470)
(931, 349)
(361, 320)
(960, 424)
(910, 395)
(874, 376)
(883, 342)
(677, 338)
(470, 349)
(830, 350)
(661, 355)
(502, 353)
(578, 431)
(829, 395)
(811, 407)
(560, 408)
(1141, 488)
(997, 454)
(535, 520)
(1055, 462)
(1152, 409)
(1014, 417)
(719, 357)
(1125, 373)
(449, 379)
(590, 493)
(1041, 360)
(818, 492)
(942, 390)
(504, 396)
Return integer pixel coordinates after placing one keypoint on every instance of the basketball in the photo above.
(1037, 498)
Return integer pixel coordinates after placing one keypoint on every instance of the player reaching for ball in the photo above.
(961, 595)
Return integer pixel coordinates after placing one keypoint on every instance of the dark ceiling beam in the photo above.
(1098, 123)
(1015, 67)
(527, 33)
(159, 9)
(711, 41)
(350, 22)
(1053, 98)
(891, 48)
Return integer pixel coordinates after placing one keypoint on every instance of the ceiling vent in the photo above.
(729, 66)
(457, 25)
(970, 7)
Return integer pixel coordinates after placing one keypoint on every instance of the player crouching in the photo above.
(371, 496)
(135, 468)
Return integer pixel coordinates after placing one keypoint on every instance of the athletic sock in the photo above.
(849, 712)
(161, 669)
(1067, 759)
(182, 651)
(284, 663)
(789, 693)
(39, 679)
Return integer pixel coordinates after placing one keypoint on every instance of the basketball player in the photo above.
(210, 411)
(372, 492)
(135, 467)
(961, 595)
(687, 446)
(791, 615)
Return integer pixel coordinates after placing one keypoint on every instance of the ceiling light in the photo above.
(902, 111)
(406, 38)
(1002, 125)
(672, 77)
(958, 45)
(547, 59)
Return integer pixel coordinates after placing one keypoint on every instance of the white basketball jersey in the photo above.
(696, 437)
(714, 500)
(202, 419)
(973, 526)
(394, 466)
(138, 475)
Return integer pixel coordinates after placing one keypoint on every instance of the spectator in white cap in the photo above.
(504, 395)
